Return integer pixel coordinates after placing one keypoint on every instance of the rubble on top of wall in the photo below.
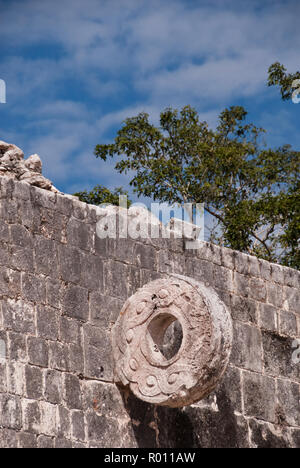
(13, 164)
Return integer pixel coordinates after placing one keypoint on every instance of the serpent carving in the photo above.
(138, 337)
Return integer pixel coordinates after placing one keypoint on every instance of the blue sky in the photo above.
(75, 69)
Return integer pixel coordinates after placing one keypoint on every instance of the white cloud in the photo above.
(126, 57)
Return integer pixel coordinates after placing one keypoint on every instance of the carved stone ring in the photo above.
(193, 371)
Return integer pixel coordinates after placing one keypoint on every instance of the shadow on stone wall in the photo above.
(191, 427)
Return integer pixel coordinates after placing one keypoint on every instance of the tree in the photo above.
(288, 206)
(278, 76)
(101, 195)
(252, 192)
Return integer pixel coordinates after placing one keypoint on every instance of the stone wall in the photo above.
(61, 290)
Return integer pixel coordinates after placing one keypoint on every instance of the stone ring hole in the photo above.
(164, 336)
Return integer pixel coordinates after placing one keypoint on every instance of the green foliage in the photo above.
(252, 192)
(101, 195)
(279, 77)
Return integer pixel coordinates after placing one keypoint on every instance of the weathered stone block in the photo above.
(72, 392)
(62, 443)
(76, 361)
(64, 205)
(207, 428)
(17, 347)
(75, 303)
(227, 258)
(291, 277)
(4, 231)
(30, 215)
(38, 352)
(102, 246)
(242, 284)
(10, 282)
(53, 293)
(292, 296)
(99, 427)
(46, 259)
(47, 323)
(8, 438)
(241, 263)
(78, 425)
(4, 254)
(243, 309)
(63, 422)
(122, 250)
(170, 262)
(116, 281)
(21, 236)
(91, 272)
(200, 270)
(264, 435)
(33, 288)
(104, 398)
(208, 251)
(48, 419)
(265, 270)
(3, 377)
(18, 316)
(34, 382)
(15, 378)
(10, 411)
(230, 389)
(31, 416)
(21, 259)
(80, 235)
(147, 276)
(288, 399)
(268, 317)
(275, 295)
(7, 187)
(259, 396)
(288, 323)
(98, 354)
(45, 442)
(69, 263)
(277, 273)
(222, 278)
(254, 266)
(79, 209)
(53, 225)
(21, 191)
(278, 356)
(78, 445)
(145, 256)
(70, 330)
(133, 280)
(9, 211)
(53, 387)
(43, 198)
(27, 440)
(258, 289)
(104, 309)
(247, 347)
(59, 356)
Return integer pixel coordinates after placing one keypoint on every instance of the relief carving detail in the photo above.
(139, 336)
